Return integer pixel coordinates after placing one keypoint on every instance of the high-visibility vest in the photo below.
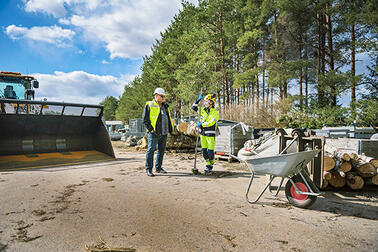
(154, 113)
(209, 121)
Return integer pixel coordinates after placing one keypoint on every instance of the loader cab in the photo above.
(16, 86)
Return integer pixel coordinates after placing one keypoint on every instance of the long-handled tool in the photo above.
(195, 171)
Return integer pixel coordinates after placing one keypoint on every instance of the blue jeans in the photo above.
(153, 141)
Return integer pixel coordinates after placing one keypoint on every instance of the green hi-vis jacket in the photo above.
(209, 120)
(152, 116)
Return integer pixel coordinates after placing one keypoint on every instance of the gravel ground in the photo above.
(115, 203)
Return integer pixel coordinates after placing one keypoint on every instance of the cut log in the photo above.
(338, 168)
(374, 162)
(180, 142)
(327, 175)
(182, 127)
(370, 160)
(346, 166)
(345, 157)
(372, 180)
(342, 156)
(366, 170)
(325, 184)
(329, 163)
(341, 173)
(336, 180)
(354, 156)
(143, 145)
(192, 130)
(354, 181)
(375, 179)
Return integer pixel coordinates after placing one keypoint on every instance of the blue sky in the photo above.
(80, 50)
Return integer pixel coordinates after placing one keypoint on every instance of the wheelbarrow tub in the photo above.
(285, 165)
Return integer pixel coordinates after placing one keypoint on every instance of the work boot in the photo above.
(208, 170)
(149, 173)
(161, 171)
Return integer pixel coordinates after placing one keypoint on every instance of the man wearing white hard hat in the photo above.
(157, 119)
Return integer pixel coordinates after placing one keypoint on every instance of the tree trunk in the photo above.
(353, 71)
(226, 94)
(330, 55)
(263, 81)
(271, 100)
(321, 65)
(267, 99)
(257, 94)
(253, 100)
(300, 70)
(306, 77)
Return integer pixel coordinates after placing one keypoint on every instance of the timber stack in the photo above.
(349, 169)
(183, 137)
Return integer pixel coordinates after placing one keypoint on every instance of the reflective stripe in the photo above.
(209, 131)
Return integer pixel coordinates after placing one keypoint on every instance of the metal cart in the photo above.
(300, 189)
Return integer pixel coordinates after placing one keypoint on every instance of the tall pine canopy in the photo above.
(289, 63)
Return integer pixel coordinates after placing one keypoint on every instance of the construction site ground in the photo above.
(115, 205)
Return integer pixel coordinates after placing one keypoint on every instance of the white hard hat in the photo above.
(159, 91)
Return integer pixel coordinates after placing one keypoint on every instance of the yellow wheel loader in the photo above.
(39, 134)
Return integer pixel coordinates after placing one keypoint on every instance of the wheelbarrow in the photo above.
(300, 190)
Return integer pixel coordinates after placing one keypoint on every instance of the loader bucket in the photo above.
(36, 134)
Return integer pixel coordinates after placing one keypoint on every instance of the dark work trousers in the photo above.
(154, 141)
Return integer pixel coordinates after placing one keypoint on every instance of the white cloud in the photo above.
(49, 34)
(78, 87)
(55, 8)
(58, 8)
(105, 62)
(127, 29)
(64, 21)
(128, 77)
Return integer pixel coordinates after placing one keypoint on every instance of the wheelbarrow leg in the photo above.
(279, 187)
(308, 181)
(261, 193)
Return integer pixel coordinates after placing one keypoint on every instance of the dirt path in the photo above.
(66, 208)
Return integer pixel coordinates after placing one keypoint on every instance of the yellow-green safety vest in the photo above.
(209, 121)
(154, 113)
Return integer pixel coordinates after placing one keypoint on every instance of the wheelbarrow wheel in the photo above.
(299, 200)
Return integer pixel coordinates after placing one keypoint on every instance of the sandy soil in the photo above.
(66, 208)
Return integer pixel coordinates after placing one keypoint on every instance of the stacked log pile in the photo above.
(183, 137)
(349, 169)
